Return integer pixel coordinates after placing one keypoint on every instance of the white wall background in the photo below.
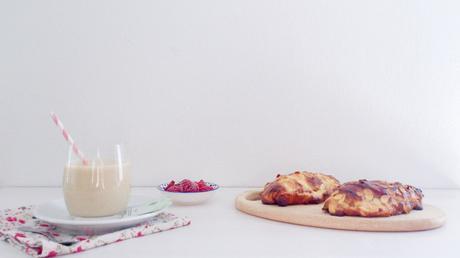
(234, 91)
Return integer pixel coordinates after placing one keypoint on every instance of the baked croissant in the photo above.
(299, 188)
(373, 199)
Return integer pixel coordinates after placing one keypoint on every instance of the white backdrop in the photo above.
(234, 91)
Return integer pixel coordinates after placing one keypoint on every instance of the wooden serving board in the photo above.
(313, 215)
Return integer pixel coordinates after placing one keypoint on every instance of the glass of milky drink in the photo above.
(99, 186)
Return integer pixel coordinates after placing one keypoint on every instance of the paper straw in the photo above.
(68, 138)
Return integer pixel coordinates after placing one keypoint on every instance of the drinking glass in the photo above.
(100, 185)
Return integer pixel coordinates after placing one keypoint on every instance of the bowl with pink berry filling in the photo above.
(188, 192)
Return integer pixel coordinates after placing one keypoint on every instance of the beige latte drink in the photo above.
(98, 189)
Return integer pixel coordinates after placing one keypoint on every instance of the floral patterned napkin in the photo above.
(21, 229)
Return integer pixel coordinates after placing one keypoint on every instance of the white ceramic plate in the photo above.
(189, 198)
(55, 213)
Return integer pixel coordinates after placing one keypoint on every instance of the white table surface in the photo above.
(219, 230)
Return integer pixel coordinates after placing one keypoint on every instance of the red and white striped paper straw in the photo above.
(68, 138)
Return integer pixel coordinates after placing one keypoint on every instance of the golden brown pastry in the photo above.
(299, 188)
(373, 199)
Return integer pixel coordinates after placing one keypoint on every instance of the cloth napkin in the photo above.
(47, 241)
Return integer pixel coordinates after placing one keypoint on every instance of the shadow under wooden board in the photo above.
(313, 215)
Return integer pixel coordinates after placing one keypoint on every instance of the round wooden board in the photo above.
(313, 215)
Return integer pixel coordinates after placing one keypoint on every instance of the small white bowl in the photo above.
(189, 198)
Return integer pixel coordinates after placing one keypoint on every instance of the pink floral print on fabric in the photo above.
(50, 242)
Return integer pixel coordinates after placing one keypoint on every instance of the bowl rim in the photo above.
(160, 188)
